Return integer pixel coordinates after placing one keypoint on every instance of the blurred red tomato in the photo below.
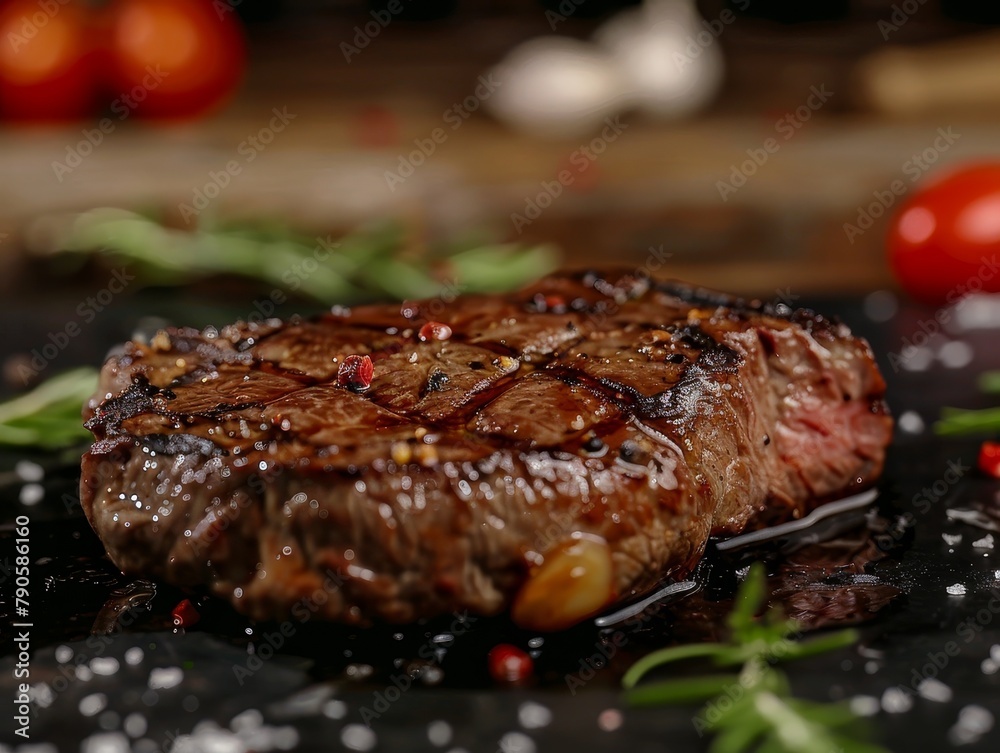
(47, 66)
(944, 239)
(173, 58)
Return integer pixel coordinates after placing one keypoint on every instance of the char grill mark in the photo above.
(638, 418)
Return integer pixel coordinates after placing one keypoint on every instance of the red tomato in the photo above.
(172, 58)
(943, 239)
(47, 66)
(989, 459)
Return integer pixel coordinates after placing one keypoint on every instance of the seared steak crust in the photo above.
(558, 449)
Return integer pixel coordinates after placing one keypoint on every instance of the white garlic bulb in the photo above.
(557, 87)
(669, 56)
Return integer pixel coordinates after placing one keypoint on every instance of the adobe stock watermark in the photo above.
(293, 278)
(562, 12)
(966, 631)
(923, 501)
(302, 611)
(86, 312)
(711, 30)
(122, 106)
(455, 116)
(785, 127)
(751, 675)
(430, 654)
(363, 35)
(655, 260)
(248, 149)
(580, 161)
(955, 299)
(33, 23)
(914, 169)
(901, 13)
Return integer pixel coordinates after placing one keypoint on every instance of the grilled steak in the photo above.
(552, 452)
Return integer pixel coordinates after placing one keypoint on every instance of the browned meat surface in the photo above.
(552, 451)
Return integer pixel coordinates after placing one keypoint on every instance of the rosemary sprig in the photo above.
(48, 417)
(376, 262)
(989, 382)
(959, 421)
(763, 715)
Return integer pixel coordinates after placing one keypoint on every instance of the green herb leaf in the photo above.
(376, 262)
(763, 716)
(49, 416)
(989, 382)
(667, 655)
(955, 421)
(682, 690)
(743, 619)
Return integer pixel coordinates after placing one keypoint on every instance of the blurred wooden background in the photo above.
(654, 186)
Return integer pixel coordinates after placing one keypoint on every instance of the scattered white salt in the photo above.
(64, 654)
(977, 311)
(951, 539)
(31, 494)
(134, 656)
(881, 305)
(995, 652)
(517, 742)
(934, 690)
(203, 738)
(41, 695)
(917, 358)
(989, 667)
(28, 471)
(105, 742)
(956, 354)
(431, 674)
(973, 722)
(335, 709)
(864, 705)
(871, 667)
(246, 720)
(304, 703)
(163, 678)
(104, 666)
(533, 715)
(956, 590)
(93, 704)
(285, 738)
(135, 725)
(896, 701)
(357, 737)
(83, 674)
(439, 733)
(31, 748)
(910, 422)
(986, 542)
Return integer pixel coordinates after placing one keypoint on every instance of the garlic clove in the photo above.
(575, 581)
